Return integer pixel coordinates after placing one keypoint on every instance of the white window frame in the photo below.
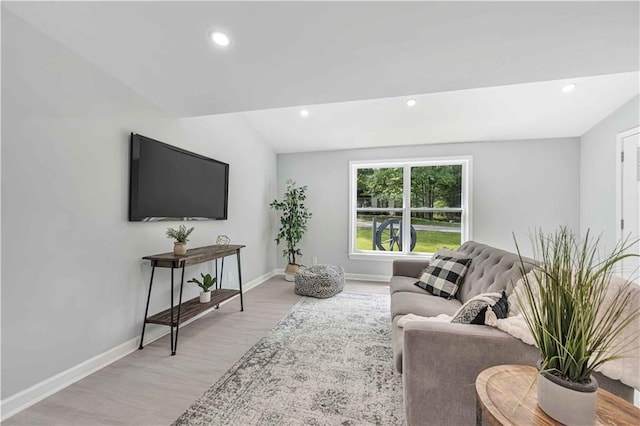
(406, 165)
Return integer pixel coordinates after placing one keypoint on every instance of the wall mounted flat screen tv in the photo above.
(169, 183)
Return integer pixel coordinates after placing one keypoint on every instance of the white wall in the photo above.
(598, 171)
(73, 282)
(517, 186)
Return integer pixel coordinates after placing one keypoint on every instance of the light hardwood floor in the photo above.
(150, 387)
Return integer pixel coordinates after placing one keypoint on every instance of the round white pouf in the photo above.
(320, 281)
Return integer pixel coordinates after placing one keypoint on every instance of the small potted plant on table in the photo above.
(180, 235)
(207, 282)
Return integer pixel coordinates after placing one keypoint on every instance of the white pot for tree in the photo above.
(567, 402)
(205, 296)
(290, 272)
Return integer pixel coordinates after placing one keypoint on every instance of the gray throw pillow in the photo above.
(475, 310)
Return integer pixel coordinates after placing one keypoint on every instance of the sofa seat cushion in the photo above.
(425, 305)
(406, 284)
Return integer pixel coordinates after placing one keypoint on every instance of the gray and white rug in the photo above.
(328, 362)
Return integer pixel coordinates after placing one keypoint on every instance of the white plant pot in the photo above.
(575, 406)
(205, 297)
(180, 248)
(290, 272)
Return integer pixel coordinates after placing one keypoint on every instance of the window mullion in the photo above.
(381, 209)
(437, 209)
(464, 217)
(406, 209)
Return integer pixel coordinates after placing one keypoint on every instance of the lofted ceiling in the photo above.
(520, 111)
(285, 54)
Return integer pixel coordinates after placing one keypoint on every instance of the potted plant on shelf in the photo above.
(293, 224)
(576, 318)
(207, 282)
(180, 235)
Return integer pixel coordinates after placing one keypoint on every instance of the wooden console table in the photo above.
(193, 307)
(504, 396)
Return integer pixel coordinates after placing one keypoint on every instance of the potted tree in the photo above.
(293, 224)
(207, 282)
(576, 318)
(180, 235)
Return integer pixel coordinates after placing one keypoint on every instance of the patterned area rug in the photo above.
(328, 362)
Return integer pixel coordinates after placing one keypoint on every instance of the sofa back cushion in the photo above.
(491, 270)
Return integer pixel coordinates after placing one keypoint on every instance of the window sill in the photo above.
(388, 257)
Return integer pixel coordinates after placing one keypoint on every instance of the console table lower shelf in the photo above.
(192, 308)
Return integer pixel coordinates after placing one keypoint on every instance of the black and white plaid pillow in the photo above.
(443, 275)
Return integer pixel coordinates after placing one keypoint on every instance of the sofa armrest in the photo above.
(409, 267)
(441, 362)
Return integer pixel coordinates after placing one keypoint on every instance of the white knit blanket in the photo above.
(626, 369)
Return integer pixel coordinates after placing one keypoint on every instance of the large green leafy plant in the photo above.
(293, 219)
(566, 302)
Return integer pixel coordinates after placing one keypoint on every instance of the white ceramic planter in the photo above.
(205, 296)
(290, 272)
(179, 248)
(575, 406)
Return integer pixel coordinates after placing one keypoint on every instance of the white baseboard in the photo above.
(26, 398)
(256, 282)
(355, 277)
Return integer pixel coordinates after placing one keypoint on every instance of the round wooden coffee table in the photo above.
(506, 395)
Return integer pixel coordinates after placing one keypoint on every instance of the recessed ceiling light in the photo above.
(220, 38)
(411, 102)
(304, 113)
(569, 87)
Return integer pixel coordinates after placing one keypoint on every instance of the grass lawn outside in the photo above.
(427, 241)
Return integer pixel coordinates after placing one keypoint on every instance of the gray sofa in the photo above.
(440, 361)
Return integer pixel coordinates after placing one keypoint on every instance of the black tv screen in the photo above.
(169, 183)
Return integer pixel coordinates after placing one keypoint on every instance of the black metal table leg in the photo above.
(146, 310)
(221, 272)
(240, 281)
(173, 352)
(221, 275)
(217, 279)
(175, 345)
